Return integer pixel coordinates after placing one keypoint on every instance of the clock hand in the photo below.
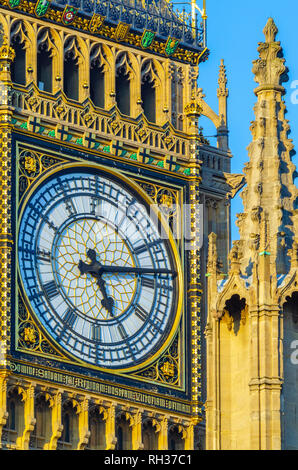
(94, 269)
(135, 270)
(107, 302)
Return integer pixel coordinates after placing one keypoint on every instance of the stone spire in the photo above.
(270, 172)
(222, 94)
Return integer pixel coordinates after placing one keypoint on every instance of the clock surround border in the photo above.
(143, 195)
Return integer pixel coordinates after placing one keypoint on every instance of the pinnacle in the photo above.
(270, 31)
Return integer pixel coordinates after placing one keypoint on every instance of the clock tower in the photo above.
(108, 192)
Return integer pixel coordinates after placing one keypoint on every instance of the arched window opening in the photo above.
(97, 76)
(42, 430)
(18, 66)
(15, 423)
(123, 433)
(11, 424)
(97, 85)
(235, 313)
(97, 430)
(123, 83)
(123, 92)
(44, 69)
(119, 438)
(71, 78)
(66, 427)
(148, 89)
(149, 100)
(175, 439)
(71, 69)
(149, 436)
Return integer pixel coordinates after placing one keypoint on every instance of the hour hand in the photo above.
(107, 302)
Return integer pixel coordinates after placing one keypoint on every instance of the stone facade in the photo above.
(251, 328)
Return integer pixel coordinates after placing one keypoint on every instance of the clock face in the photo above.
(95, 269)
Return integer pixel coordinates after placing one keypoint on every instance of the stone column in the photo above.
(189, 437)
(136, 433)
(111, 439)
(163, 434)
(84, 432)
(7, 55)
(29, 419)
(57, 426)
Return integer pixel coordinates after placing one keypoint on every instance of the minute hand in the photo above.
(135, 270)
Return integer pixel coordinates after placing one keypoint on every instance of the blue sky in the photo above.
(234, 30)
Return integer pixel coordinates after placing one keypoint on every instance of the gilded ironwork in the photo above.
(166, 370)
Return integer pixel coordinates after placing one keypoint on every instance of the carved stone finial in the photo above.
(235, 257)
(193, 108)
(269, 69)
(270, 31)
(6, 52)
(222, 81)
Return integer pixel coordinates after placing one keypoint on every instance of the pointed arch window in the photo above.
(66, 427)
(123, 92)
(123, 433)
(97, 440)
(44, 70)
(11, 414)
(97, 78)
(176, 441)
(44, 62)
(148, 91)
(149, 435)
(18, 66)
(119, 438)
(71, 70)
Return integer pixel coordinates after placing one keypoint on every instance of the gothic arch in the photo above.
(124, 422)
(43, 430)
(70, 421)
(97, 417)
(153, 74)
(127, 65)
(150, 430)
(101, 60)
(21, 33)
(49, 40)
(76, 51)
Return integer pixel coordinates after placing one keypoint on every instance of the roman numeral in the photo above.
(69, 317)
(43, 255)
(122, 331)
(145, 282)
(141, 313)
(140, 249)
(51, 289)
(96, 333)
(69, 205)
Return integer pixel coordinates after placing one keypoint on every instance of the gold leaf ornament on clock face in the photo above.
(95, 269)
(71, 249)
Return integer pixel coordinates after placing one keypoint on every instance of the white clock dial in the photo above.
(95, 269)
